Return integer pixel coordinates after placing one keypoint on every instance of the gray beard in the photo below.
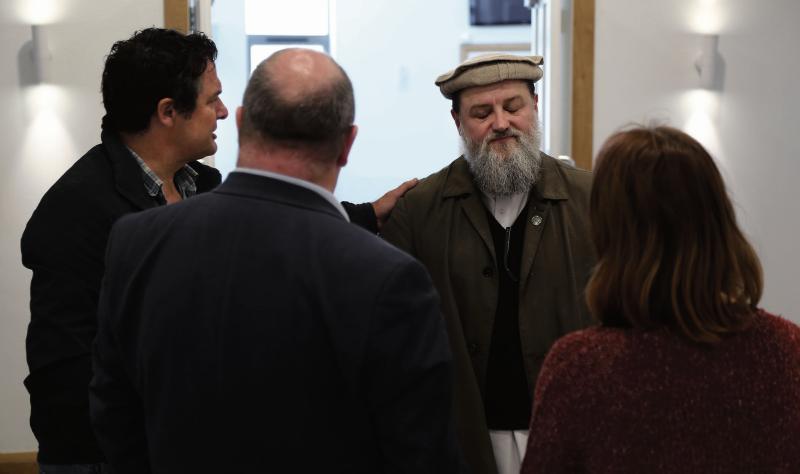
(507, 168)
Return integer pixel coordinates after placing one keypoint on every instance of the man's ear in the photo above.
(536, 102)
(239, 115)
(348, 144)
(454, 114)
(165, 112)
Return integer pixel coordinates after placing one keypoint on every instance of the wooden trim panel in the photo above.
(18, 463)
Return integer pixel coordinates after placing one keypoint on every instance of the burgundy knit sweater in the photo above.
(629, 401)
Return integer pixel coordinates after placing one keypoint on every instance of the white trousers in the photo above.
(509, 449)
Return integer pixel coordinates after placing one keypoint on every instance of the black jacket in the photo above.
(252, 329)
(64, 244)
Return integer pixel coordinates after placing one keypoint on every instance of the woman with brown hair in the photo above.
(684, 373)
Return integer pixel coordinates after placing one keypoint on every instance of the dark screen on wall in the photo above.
(498, 12)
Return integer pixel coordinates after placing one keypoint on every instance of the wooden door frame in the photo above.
(176, 15)
(582, 103)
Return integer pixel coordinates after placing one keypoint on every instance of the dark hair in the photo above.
(153, 64)
(457, 96)
(670, 252)
(321, 116)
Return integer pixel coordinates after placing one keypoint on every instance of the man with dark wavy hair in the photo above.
(161, 96)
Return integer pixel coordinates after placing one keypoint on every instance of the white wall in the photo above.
(45, 129)
(644, 51)
(227, 28)
(392, 51)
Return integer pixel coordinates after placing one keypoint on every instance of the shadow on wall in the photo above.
(27, 72)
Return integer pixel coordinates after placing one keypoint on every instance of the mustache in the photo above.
(509, 132)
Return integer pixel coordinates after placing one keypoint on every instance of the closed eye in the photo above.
(513, 105)
(480, 112)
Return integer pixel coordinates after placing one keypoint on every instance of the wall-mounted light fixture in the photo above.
(41, 54)
(705, 63)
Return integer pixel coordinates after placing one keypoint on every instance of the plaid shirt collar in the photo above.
(184, 181)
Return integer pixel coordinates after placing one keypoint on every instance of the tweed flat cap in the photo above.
(488, 69)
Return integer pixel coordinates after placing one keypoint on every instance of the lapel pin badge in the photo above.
(536, 220)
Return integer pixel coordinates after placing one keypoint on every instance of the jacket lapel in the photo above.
(537, 215)
(549, 189)
(476, 213)
(460, 185)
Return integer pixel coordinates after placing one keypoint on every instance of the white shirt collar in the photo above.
(505, 209)
(327, 195)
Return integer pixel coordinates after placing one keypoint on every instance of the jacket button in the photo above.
(487, 272)
(472, 348)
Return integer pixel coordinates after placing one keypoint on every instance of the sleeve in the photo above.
(409, 376)
(553, 444)
(397, 229)
(63, 244)
(363, 215)
(116, 408)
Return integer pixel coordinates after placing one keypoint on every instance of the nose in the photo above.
(501, 122)
(222, 111)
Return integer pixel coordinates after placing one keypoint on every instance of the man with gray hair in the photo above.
(504, 233)
(253, 329)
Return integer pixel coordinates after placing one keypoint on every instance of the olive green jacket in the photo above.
(443, 223)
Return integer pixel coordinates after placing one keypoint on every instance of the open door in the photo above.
(563, 32)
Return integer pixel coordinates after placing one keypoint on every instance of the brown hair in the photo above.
(670, 252)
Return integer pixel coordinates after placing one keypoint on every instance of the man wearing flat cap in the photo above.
(504, 232)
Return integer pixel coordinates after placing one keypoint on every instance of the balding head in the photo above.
(298, 98)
